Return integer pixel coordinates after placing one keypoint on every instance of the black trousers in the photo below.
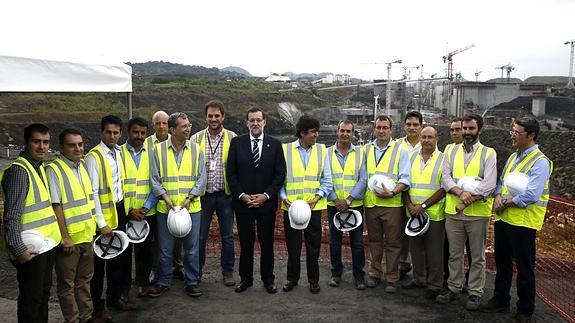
(118, 270)
(312, 237)
(144, 253)
(263, 221)
(515, 242)
(34, 283)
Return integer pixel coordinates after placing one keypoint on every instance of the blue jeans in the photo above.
(222, 205)
(356, 244)
(190, 245)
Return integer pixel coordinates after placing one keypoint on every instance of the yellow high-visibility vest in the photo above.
(425, 183)
(105, 186)
(200, 138)
(38, 213)
(178, 181)
(533, 215)
(388, 166)
(344, 179)
(302, 183)
(448, 148)
(137, 186)
(77, 201)
(475, 168)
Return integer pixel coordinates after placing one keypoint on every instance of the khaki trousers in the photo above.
(457, 232)
(427, 256)
(74, 272)
(384, 233)
(404, 258)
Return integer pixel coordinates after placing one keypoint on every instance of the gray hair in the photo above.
(173, 119)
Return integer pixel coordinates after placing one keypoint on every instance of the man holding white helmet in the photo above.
(27, 207)
(383, 212)
(139, 200)
(71, 197)
(468, 212)
(308, 179)
(427, 196)
(349, 182)
(518, 218)
(178, 177)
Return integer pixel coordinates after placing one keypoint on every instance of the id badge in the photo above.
(213, 165)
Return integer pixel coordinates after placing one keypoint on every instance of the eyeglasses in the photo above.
(516, 133)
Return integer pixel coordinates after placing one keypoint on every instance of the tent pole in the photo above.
(130, 105)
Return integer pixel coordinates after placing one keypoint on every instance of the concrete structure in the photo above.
(538, 108)
(277, 78)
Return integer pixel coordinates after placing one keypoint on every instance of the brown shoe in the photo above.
(194, 291)
(124, 305)
(143, 291)
(105, 315)
(229, 279)
(157, 290)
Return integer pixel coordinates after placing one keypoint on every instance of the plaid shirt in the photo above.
(215, 177)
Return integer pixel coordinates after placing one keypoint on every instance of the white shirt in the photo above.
(114, 161)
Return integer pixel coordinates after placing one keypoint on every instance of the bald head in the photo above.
(428, 139)
(160, 124)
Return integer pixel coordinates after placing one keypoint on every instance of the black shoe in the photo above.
(431, 294)
(289, 286)
(178, 274)
(360, 284)
(494, 306)
(522, 318)
(412, 284)
(242, 286)
(314, 288)
(271, 288)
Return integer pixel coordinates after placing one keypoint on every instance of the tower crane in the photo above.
(507, 68)
(477, 75)
(449, 59)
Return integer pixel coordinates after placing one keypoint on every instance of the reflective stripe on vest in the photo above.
(475, 168)
(77, 201)
(105, 190)
(534, 214)
(178, 181)
(425, 183)
(344, 179)
(38, 213)
(200, 139)
(388, 166)
(303, 183)
(137, 186)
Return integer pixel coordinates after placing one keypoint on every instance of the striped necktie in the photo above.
(256, 154)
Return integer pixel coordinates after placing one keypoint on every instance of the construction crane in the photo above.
(507, 68)
(449, 59)
(477, 75)
(407, 71)
(572, 43)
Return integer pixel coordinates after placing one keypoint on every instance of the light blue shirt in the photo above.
(325, 183)
(136, 156)
(538, 176)
(359, 189)
(403, 175)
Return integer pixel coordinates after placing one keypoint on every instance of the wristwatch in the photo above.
(348, 202)
(423, 206)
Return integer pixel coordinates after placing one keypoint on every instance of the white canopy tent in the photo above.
(20, 74)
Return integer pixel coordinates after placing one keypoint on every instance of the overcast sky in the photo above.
(299, 36)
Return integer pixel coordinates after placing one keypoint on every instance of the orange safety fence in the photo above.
(555, 262)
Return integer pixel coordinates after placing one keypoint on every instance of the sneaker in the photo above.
(390, 288)
(522, 318)
(360, 284)
(473, 303)
(157, 290)
(334, 281)
(229, 279)
(494, 306)
(194, 291)
(412, 284)
(447, 297)
(372, 281)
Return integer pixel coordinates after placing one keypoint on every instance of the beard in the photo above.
(470, 139)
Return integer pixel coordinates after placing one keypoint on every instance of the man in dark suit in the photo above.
(256, 171)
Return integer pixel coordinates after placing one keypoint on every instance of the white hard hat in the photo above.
(299, 214)
(36, 242)
(378, 181)
(417, 225)
(137, 231)
(348, 220)
(110, 247)
(516, 182)
(179, 222)
(469, 183)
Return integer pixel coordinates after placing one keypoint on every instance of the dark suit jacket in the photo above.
(243, 177)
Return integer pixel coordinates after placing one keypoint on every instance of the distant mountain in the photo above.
(553, 80)
(236, 69)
